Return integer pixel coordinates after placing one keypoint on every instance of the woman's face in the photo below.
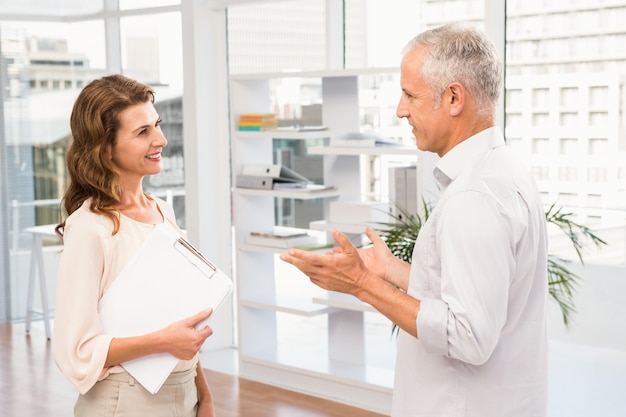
(137, 151)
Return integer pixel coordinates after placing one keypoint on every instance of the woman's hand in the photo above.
(205, 409)
(182, 338)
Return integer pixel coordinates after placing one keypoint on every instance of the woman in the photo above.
(117, 141)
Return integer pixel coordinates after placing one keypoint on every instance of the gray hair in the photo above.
(464, 54)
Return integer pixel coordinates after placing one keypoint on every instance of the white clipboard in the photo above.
(167, 280)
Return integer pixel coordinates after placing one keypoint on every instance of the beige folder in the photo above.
(167, 280)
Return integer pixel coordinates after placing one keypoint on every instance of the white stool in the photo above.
(37, 267)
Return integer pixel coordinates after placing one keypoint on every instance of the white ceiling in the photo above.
(68, 8)
(55, 8)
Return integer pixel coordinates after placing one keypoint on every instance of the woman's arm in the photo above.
(180, 339)
(205, 398)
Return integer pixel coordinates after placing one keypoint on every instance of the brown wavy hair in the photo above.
(94, 124)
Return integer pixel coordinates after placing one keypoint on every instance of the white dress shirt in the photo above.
(479, 269)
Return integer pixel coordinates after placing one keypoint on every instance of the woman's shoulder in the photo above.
(165, 208)
(84, 218)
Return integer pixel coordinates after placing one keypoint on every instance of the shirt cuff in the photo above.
(432, 326)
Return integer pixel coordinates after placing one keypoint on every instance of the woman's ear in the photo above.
(108, 152)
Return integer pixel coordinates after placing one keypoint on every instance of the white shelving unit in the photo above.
(335, 363)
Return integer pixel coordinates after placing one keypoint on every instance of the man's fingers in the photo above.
(343, 241)
(372, 235)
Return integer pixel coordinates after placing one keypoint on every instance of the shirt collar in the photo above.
(457, 158)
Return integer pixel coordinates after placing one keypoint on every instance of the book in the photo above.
(302, 128)
(257, 121)
(281, 239)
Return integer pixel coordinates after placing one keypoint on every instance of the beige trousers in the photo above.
(119, 395)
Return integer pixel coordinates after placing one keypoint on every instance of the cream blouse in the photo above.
(91, 260)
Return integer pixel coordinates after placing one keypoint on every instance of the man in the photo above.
(472, 305)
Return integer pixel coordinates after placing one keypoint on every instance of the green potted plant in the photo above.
(401, 232)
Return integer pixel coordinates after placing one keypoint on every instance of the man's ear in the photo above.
(455, 98)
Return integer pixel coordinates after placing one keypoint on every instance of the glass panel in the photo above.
(257, 41)
(377, 30)
(44, 67)
(140, 4)
(155, 58)
(575, 80)
(51, 7)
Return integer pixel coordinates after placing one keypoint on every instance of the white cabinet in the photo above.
(301, 337)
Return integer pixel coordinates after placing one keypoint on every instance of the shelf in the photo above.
(295, 194)
(343, 227)
(268, 249)
(343, 302)
(316, 74)
(292, 305)
(292, 332)
(380, 150)
(283, 134)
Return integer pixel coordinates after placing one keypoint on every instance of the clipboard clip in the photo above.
(181, 243)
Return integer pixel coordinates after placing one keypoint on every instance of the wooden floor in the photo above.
(32, 386)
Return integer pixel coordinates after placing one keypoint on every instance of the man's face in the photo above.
(418, 106)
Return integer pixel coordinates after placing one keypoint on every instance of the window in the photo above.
(583, 123)
(598, 146)
(257, 41)
(568, 174)
(541, 146)
(569, 146)
(138, 4)
(46, 64)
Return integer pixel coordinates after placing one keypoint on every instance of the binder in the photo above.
(254, 181)
(167, 280)
(274, 171)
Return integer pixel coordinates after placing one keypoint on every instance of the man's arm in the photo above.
(345, 271)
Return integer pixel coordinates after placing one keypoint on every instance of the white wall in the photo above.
(599, 320)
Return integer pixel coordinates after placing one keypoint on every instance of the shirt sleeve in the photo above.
(474, 241)
(80, 349)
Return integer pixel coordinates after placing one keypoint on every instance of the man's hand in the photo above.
(377, 257)
(341, 270)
